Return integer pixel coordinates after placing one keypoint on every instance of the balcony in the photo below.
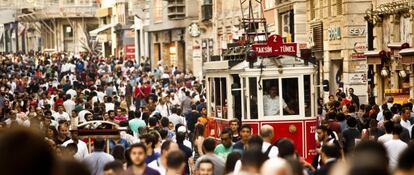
(176, 9)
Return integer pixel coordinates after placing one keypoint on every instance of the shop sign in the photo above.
(358, 66)
(130, 51)
(334, 33)
(360, 47)
(356, 31)
(358, 56)
(358, 78)
(275, 46)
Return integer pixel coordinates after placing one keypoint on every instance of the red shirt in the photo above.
(146, 90)
(121, 118)
(345, 102)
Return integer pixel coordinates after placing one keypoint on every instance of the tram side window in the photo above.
(290, 92)
(271, 98)
(253, 97)
(308, 105)
(220, 96)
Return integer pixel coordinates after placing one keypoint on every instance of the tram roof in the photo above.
(274, 62)
(284, 61)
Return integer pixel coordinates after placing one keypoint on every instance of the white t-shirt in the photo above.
(385, 138)
(81, 115)
(394, 149)
(156, 165)
(274, 151)
(69, 105)
(61, 116)
(405, 124)
(176, 119)
(271, 105)
(82, 149)
(109, 106)
(72, 93)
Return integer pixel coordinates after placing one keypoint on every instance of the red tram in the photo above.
(238, 88)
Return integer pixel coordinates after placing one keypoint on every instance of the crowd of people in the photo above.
(47, 99)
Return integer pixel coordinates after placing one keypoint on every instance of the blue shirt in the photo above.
(152, 157)
(122, 142)
(96, 161)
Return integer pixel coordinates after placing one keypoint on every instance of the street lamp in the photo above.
(402, 74)
(384, 72)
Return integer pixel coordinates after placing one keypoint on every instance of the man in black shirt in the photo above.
(192, 118)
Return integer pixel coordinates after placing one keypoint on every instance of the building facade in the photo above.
(390, 57)
(169, 41)
(59, 25)
(338, 38)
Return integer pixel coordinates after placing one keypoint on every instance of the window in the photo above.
(253, 97)
(67, 31)
(339, 7)
(308, 93)
(219, 97)
(158, 9)
(269, 4)
(285, 104)
(176, 9)
(207, 10)
(312, 9)
(287, 26)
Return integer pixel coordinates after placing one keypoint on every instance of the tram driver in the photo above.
(271, 104)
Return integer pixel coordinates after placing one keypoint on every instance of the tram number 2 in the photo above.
(312, 129)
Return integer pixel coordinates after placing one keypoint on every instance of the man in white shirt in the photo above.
(82, 147)
(175, 118)
(164, 107)
(72, 92)
(395, 146)
(109, 105)
(69, 104)
(160, 164)
(388, 132)
(271, 104)
(61, 115)
(405, 115)
(267, 133)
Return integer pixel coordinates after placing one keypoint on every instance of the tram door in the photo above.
(236, 94)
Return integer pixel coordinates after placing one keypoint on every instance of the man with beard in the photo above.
(138, 153)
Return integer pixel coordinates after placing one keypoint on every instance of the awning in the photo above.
(407, 56)
(373, 57)
(101, 29)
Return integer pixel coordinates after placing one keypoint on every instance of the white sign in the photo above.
(357, 31)
(194, 30)
(358, 78)
(334, 33)
(360, 47)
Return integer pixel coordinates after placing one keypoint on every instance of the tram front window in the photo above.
(273, 103)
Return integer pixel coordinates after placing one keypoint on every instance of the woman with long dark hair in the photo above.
(198, 139)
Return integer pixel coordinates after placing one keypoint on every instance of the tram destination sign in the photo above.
(275, 46)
